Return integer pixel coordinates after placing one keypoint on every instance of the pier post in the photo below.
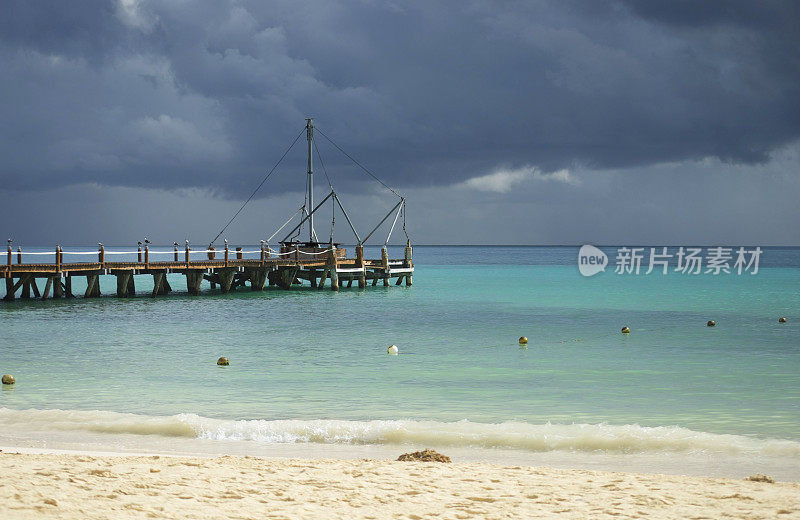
(9, 278)
(123, 283)
(258, 277)
(333, 261)
(227, 252)
(362, 280)
(187, 255)
(211, 253)
(131, 288)
(147, 256)
(58, 287)
(9, 289)
(47, 287)
(68, 286)
(101, 256)
(158, 282)
(19, 255)
(239, 253)
(408, 262)
(263, 253)
(92, 286)
(139, 253)
(226, 277)
(25, 282)
(58, 259)
(194, 281)
(385, 263)
(175, 249)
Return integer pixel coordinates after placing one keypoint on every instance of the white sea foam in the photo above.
(630, 438)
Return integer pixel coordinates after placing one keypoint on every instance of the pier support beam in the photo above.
(47, 287)
(385, 263)
(194, 280)
(158, 283)
(226, 276)
(362, 279)
(124, 280)
(10, 290)
(58, 287)
(323, 277)
(68, 287)
(26, 288)
(258, 277)
(332, 263)
(407, 262)
(92, 286)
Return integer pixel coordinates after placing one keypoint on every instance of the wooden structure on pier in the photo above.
(312, 261)
(227, 269)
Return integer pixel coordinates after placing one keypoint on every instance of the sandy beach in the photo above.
(79, 486)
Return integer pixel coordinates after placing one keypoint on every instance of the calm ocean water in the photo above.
(311, 366)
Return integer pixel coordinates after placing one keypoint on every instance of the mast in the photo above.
(310, 136)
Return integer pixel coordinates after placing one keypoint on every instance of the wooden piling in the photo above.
(362, 280)
(68, 287)
(58, 287)
(47, 287)
(122, 283)
(9, 289)
(385, 263)
(92, 286)
(194, 281)
(333, 262)
(408, 263)
(226, 276)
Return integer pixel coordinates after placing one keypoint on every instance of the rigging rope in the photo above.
(357, 163)
(258, 187)
(324, 170)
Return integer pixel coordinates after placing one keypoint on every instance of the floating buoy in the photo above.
(223, 362)
(8, 379)
(711, 323)
(523, 340)
(626, 330)
(392, 350)
(781, 320)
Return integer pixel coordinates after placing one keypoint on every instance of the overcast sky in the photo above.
(530, 122)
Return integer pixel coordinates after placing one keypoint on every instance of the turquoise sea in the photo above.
(310, 374)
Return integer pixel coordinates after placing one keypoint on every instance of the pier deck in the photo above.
(231, 270)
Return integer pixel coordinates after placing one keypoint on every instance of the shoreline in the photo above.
(85, 485)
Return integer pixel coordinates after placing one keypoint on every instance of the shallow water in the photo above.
(311, 366)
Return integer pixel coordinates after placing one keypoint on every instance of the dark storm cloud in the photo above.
(208, 93)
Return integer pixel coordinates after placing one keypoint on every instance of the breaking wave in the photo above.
(629, 438)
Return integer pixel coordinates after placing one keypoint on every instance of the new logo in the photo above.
(591, 260)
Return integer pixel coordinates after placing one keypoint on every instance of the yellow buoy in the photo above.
(8, 379)
(781, 320)
(223, 362)
(392, 350)
(523, 340)
(626, 330)
(711, 323)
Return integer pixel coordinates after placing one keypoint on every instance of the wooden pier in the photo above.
(229, 269)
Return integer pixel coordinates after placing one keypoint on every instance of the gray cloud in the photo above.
(207, 94)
